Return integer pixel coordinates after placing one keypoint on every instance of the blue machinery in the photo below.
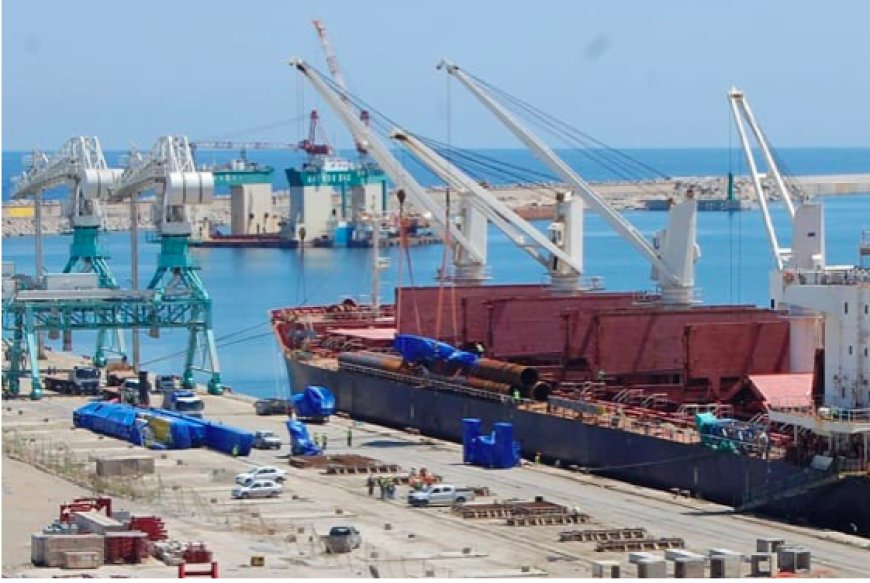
(175, 297)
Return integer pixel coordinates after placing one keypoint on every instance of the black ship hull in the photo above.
(720, 477)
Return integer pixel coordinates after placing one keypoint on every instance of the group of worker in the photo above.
(386, 485)
(420, 480)
(320, 439)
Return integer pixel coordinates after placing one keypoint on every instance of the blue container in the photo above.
(343, 234)
(505, 447)
(470, 432)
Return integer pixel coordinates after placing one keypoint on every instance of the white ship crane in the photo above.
(802, 282)
(170, 170)
(469, 241)
(550, 252)
(672, 255)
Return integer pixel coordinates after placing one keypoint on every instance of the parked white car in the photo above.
(261, 473)
(258, 489)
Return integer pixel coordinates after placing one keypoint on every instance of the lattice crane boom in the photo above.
(80, 165)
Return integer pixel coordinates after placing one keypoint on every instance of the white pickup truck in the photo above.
(440, 495)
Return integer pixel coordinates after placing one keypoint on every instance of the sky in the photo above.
(632, 73)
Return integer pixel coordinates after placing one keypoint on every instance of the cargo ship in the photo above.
(761, 409)
(626, 381)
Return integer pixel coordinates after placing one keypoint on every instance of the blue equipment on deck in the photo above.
(300, 441)
(496, 450)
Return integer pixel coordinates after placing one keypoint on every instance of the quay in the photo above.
(190, 490)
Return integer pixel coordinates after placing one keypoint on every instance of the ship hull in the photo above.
(721, 477)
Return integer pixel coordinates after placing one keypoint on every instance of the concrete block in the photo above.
(726, 566)
(53, 548)
(793, 559)
(762, 565)
(726, 552)
(81, 560)
(689, 568)
(674, 554)
(97, 523)
(605, 569)
(37, 548)
(640, 556)
(652, 569)
(768, 545)
(125, 466)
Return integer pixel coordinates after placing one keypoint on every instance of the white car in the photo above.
(258, 489)
(261, 473)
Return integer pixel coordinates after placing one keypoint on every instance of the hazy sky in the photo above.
(632, 73)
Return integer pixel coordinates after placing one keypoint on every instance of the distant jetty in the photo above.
(532, 202)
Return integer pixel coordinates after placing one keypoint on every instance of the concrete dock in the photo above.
(191, 491)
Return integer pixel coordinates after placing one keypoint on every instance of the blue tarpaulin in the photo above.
(138, 426)
(417, 349)
(314, 403)
(496, 450)
(300, 441)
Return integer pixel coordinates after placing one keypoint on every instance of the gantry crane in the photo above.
(469, 241)
(80, 166)
(170, 170)
(674, 251)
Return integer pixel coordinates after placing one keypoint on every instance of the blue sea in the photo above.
(245, 284)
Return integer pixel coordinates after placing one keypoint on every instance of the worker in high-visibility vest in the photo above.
(516, 395)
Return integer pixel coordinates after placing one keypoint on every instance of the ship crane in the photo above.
(550, 252)
(808, 236)
(673, 253)
(80, 166)
(469, 242)
(170, 170)
(802, 281)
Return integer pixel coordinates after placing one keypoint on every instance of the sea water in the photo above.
(245, 283)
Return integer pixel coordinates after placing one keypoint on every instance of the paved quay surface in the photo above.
(192, 494)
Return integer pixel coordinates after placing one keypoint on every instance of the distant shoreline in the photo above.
(530, 202)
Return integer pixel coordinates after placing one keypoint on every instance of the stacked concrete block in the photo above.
(82, 560)
(97, 523)
(689, 568)
(762, 565)
(605, 569)
(768, 545)
(652, 568)
(794, 559)
(726, 566)
(50, 550)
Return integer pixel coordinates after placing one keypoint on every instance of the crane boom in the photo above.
(385, 159)
(675, 276)
(514, 226)
(741, 111)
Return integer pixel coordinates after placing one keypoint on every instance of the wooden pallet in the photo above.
(603, 534)
(647, 544)
(369, 469)
(547, 519)
(509, 509)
